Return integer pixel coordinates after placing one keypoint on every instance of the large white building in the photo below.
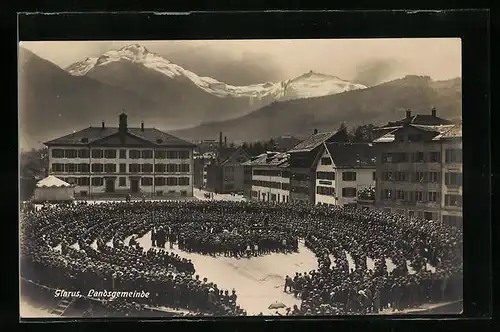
(343, 169)
(102, 161)
(271, 177)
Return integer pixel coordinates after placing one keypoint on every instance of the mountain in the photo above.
(376, 105)
(52, 102)
(304, 86)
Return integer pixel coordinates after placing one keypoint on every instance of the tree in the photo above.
(342, 134)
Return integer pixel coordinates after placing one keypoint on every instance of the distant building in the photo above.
(225, 173)
(343, 169)
(102, 161)
(303, 168)
(271, 177)
(419, 172)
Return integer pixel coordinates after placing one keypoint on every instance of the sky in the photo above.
(439, 58)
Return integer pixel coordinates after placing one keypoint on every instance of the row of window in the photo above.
(270, 197)
(269, 184)
(328, 191)
(411, 196)
(111, 168)
(269, 172)
(325, 176)
(451, 156)
(112, 153)
(122, 181)
(422, 177)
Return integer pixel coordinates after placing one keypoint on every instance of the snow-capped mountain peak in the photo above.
(308, 85)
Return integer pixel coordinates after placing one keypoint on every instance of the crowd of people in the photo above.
(245, 228)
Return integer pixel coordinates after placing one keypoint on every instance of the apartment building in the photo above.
(104, 160)
(343, 170)
(271, 178)
(303, 157)
(418, 173)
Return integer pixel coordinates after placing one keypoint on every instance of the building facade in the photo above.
(303, 168)
(225, 174)
(414, 178)
(342, 171)
(271, 178)
(104, 161)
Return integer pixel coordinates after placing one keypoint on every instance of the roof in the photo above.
(272, 159)
(439, 130)
(312, 142)
(352, 154)
(52, 182)
(255, 160)
(225, 154)
(92, 135)
(453, 132)
(419, 119)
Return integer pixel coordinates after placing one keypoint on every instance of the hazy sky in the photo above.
(439, 58)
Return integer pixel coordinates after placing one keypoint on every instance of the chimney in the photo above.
(315, 131)
(142, 125)
(225, 141)
(220, 140)
(408, 114)
(103, 126)
(123, 123)
(433, 112)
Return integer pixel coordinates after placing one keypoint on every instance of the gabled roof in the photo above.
(52, 182)
(272, 159)
(312, 142)
(226, 154)
(352, 154)
(438, 130)
(419, 119)
(255, 160)
(453, 132)
(91, 135)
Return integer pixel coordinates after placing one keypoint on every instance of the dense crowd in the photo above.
(105, 259)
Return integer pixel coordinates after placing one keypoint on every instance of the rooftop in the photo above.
(352, 154)
(312, 142)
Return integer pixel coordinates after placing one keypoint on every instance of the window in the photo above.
(432, 196)
(183, 154)
(147, 168)
(57, 153)
(285, 186)
(418, 157)
(325, 176)
(134, 168)
(82, 168)
(386, 158)
(434, 157)
(83, 153)
(96, 153)
(122, 181)
(171, 181)
(70, 153)
(110, 168)
(159, 193)
(285, 174)
(400, 194)
(401, 176)
(453, 179)
(97, 182)
(254, 193)
(123, 168)
(419, 196)
(160, 154)
(453, 155)
(348, 176)
(420, 177)
(400, 157)
(348, 192)
(57, 167)
(146, 182)
(374, 176)
(387, 194)
(171, 168)
(134, 154)
(160, 168)
(453, 200)
(172, 155)
(110, 154)
(434, 177)
(329, 191)
(97, 168)
(427, 215)
(411, 214)
(326, 161)
(123, 154)
(185, 168)
(70, 168)
(147, 154)
(159, 181)
(273, 197)
(84, 181)
(387, 176)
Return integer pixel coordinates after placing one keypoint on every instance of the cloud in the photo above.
(373, 72)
